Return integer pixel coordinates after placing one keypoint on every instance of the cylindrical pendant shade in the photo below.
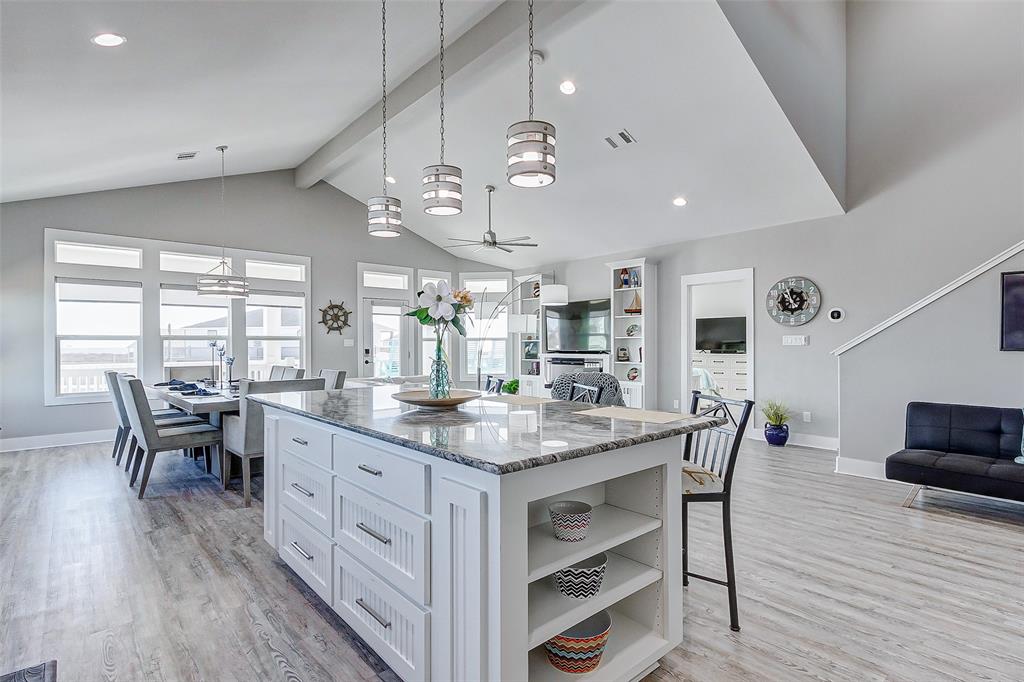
(554, 294)
(442, 190)
(531, 154)
(384, 216)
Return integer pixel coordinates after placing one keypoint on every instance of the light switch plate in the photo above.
(349, 343)
(796, 340)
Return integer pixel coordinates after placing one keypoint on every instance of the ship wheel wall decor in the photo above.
(334, 316)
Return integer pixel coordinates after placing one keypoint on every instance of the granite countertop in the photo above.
(496, 437)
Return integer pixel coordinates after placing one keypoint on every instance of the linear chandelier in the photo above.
(222, 281)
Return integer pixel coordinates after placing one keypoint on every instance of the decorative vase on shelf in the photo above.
(440, 381)
(776, 434)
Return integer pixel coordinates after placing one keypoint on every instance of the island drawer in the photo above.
(305, 440)
(393, 626)
(306, 491)
(397, 478)
(307, 552)
(392, 541)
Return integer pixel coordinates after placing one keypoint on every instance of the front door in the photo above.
(386, 332)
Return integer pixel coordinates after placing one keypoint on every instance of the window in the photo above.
(188, 324)
(385, 280)
(487, 334)
(290, 272)
(98, 327)
(97, 254)
(188, 262)
(274, 330)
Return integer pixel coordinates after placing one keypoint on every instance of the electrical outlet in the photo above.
(675, 404)
(349, 343)
(807, 417)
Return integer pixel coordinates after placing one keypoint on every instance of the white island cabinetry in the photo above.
(443, 561)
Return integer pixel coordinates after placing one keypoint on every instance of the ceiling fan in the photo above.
(490, 240)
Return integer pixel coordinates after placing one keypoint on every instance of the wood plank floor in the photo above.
(837, 580)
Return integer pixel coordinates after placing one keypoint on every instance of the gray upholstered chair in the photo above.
(333, 378)
(291, 373)
(166, 417)
(277, 372)
(610, 390)
(243, 432)
(152, 438)
(493, 384)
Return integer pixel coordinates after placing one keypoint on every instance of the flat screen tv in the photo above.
(1012, 328)
(578, 327)
(721, 334)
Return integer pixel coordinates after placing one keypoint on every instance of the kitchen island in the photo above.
(428, 532)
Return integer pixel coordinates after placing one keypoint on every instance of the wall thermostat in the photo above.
(836, 314)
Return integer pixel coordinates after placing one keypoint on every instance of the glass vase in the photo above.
(440, 381)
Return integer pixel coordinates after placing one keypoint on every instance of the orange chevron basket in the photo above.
(579, 649)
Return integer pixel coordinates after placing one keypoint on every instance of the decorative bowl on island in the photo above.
(423, 401)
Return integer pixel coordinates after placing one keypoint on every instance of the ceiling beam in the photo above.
(488, 34)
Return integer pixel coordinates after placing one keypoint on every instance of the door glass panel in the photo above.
(386, 340)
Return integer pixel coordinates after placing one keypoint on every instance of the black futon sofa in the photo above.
(961, 447)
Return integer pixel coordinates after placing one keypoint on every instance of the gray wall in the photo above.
(264, 211)
(935, 171)
(947, 352)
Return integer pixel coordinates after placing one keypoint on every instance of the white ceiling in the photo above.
(273, 80)
(674, 74)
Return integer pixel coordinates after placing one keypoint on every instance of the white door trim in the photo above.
(687, 282)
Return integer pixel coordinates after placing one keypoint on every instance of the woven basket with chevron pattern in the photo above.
(582, 580)
(570, 520)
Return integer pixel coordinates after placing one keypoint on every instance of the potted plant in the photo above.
(776, 430)
(511, 386)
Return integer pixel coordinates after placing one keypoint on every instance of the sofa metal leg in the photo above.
(914, 490)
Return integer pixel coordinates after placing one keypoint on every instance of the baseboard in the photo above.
(804, 440)
(860, 467)
(52, 440)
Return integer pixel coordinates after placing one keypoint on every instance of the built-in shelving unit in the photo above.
(633, 285)
(527, 327)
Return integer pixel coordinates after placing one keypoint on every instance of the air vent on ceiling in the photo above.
(185, 156)
(619, 139)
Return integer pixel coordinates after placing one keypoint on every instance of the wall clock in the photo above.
(334, 316)
(793, 301)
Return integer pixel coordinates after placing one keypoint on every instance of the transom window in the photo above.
(96, 254)
(290, 272)
(385, 280)
(188, 262)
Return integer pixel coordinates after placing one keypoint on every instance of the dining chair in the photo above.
(277, 372)
(153, 438)
(710, 462)
(166, 417)
(493, 384)
(292, 373)
(243, 432)
(334, 379)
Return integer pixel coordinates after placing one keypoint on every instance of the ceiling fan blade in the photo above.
(515, 239)
(455, 246)
(499, 246)
(457, 239)
(510, 244)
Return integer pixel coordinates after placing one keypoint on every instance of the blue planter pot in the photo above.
(776, 435)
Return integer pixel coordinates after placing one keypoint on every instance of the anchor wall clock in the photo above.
(793, 301)
(334, 316)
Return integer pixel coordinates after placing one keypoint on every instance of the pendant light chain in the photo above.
(384, 90)
(530, 117)
(441, 62)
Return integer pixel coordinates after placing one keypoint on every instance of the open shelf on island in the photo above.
(552, 612)
(628, 642)
(609, 526)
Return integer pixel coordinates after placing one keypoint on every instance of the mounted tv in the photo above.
(578, 327)
(1012, 328)
(721, 334)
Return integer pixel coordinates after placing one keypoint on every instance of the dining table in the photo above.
(212, 406)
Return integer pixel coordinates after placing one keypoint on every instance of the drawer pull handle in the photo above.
(373, 614)
(370, 470)
(307, 493)
(305, 555)
(300, 441)
(372, 533)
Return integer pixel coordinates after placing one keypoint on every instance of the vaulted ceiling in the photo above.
(296, 85)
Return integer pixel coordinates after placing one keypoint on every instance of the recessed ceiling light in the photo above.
(679, 201)
(567, 87)
(108, 40)
(390, 180)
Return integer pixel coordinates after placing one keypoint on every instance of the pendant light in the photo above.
(384, 213)
(442, 184)
(531, 143)
(222, 281)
